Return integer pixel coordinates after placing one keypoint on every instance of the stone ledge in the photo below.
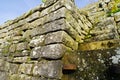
(106, 44)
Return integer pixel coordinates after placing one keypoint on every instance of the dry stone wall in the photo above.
(58, 41)
(105, 22)
(32, 46)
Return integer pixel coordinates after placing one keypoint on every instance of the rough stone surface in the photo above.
(54, 51)
(39, 44)
(50, 69)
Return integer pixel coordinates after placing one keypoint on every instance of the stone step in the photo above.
(106, 44)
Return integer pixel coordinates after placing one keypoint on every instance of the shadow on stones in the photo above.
(113, 72)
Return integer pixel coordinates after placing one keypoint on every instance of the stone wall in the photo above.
(54, 41)
(105, 21)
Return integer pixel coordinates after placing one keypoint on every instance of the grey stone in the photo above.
(12, 48)
(21, 53)
(61, 37)
(34, 16)
(117, 16)
(60, 13)
(3, 76)
(54, 51)
(49, 27)
(22, 46)
(49, 69)
(13, 68)
(27, 34)
(4, 66)
(21, 59)
(35, 53)
(55, 26)
(25, 68)
(37, 41)
(19, 77)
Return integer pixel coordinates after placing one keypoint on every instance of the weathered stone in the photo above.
(13, 68)
(61, 37)
(25, 68)
(73, 22)
(37, 41)
(60, 13)
(12, 48)
(34, 16)
(54, 51)
(3, 76)
(19, 77)
(42, 78)
(4, 66)
(21, 59)
(14, 77)
(22, 46)
(117, 16)
(35, 53)
(27, 34)
(106, 44)
(21, 53)
(50, 69)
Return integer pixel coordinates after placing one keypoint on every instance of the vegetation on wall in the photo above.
(115, 8)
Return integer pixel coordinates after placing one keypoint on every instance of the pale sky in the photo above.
(10, 9)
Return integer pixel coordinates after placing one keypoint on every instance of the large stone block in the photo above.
(37, 41)
(25, 68)
(54, 51)
(60, 13)
(34, 16)
(57, 25)
(49, 27)
(61, 37)
(49, 69)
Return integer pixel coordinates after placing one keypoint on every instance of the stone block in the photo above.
(25, 69)
(37, 41)
(35, 53)
(4, 66)
(21, 53)
(49, 27)
(21, 59)
(60, 13)
(32, 17)
(27, 34)
(19, 77)
(117, 16)
(13, 68)
(12, 48)
(61, 37)
(49, 69)
(3, 75)
(22, 46)
(54, 51)
(57, 25)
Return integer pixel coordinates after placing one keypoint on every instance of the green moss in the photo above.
(5, 50)
(114, 9)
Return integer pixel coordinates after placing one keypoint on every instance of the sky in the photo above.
(10, 9)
